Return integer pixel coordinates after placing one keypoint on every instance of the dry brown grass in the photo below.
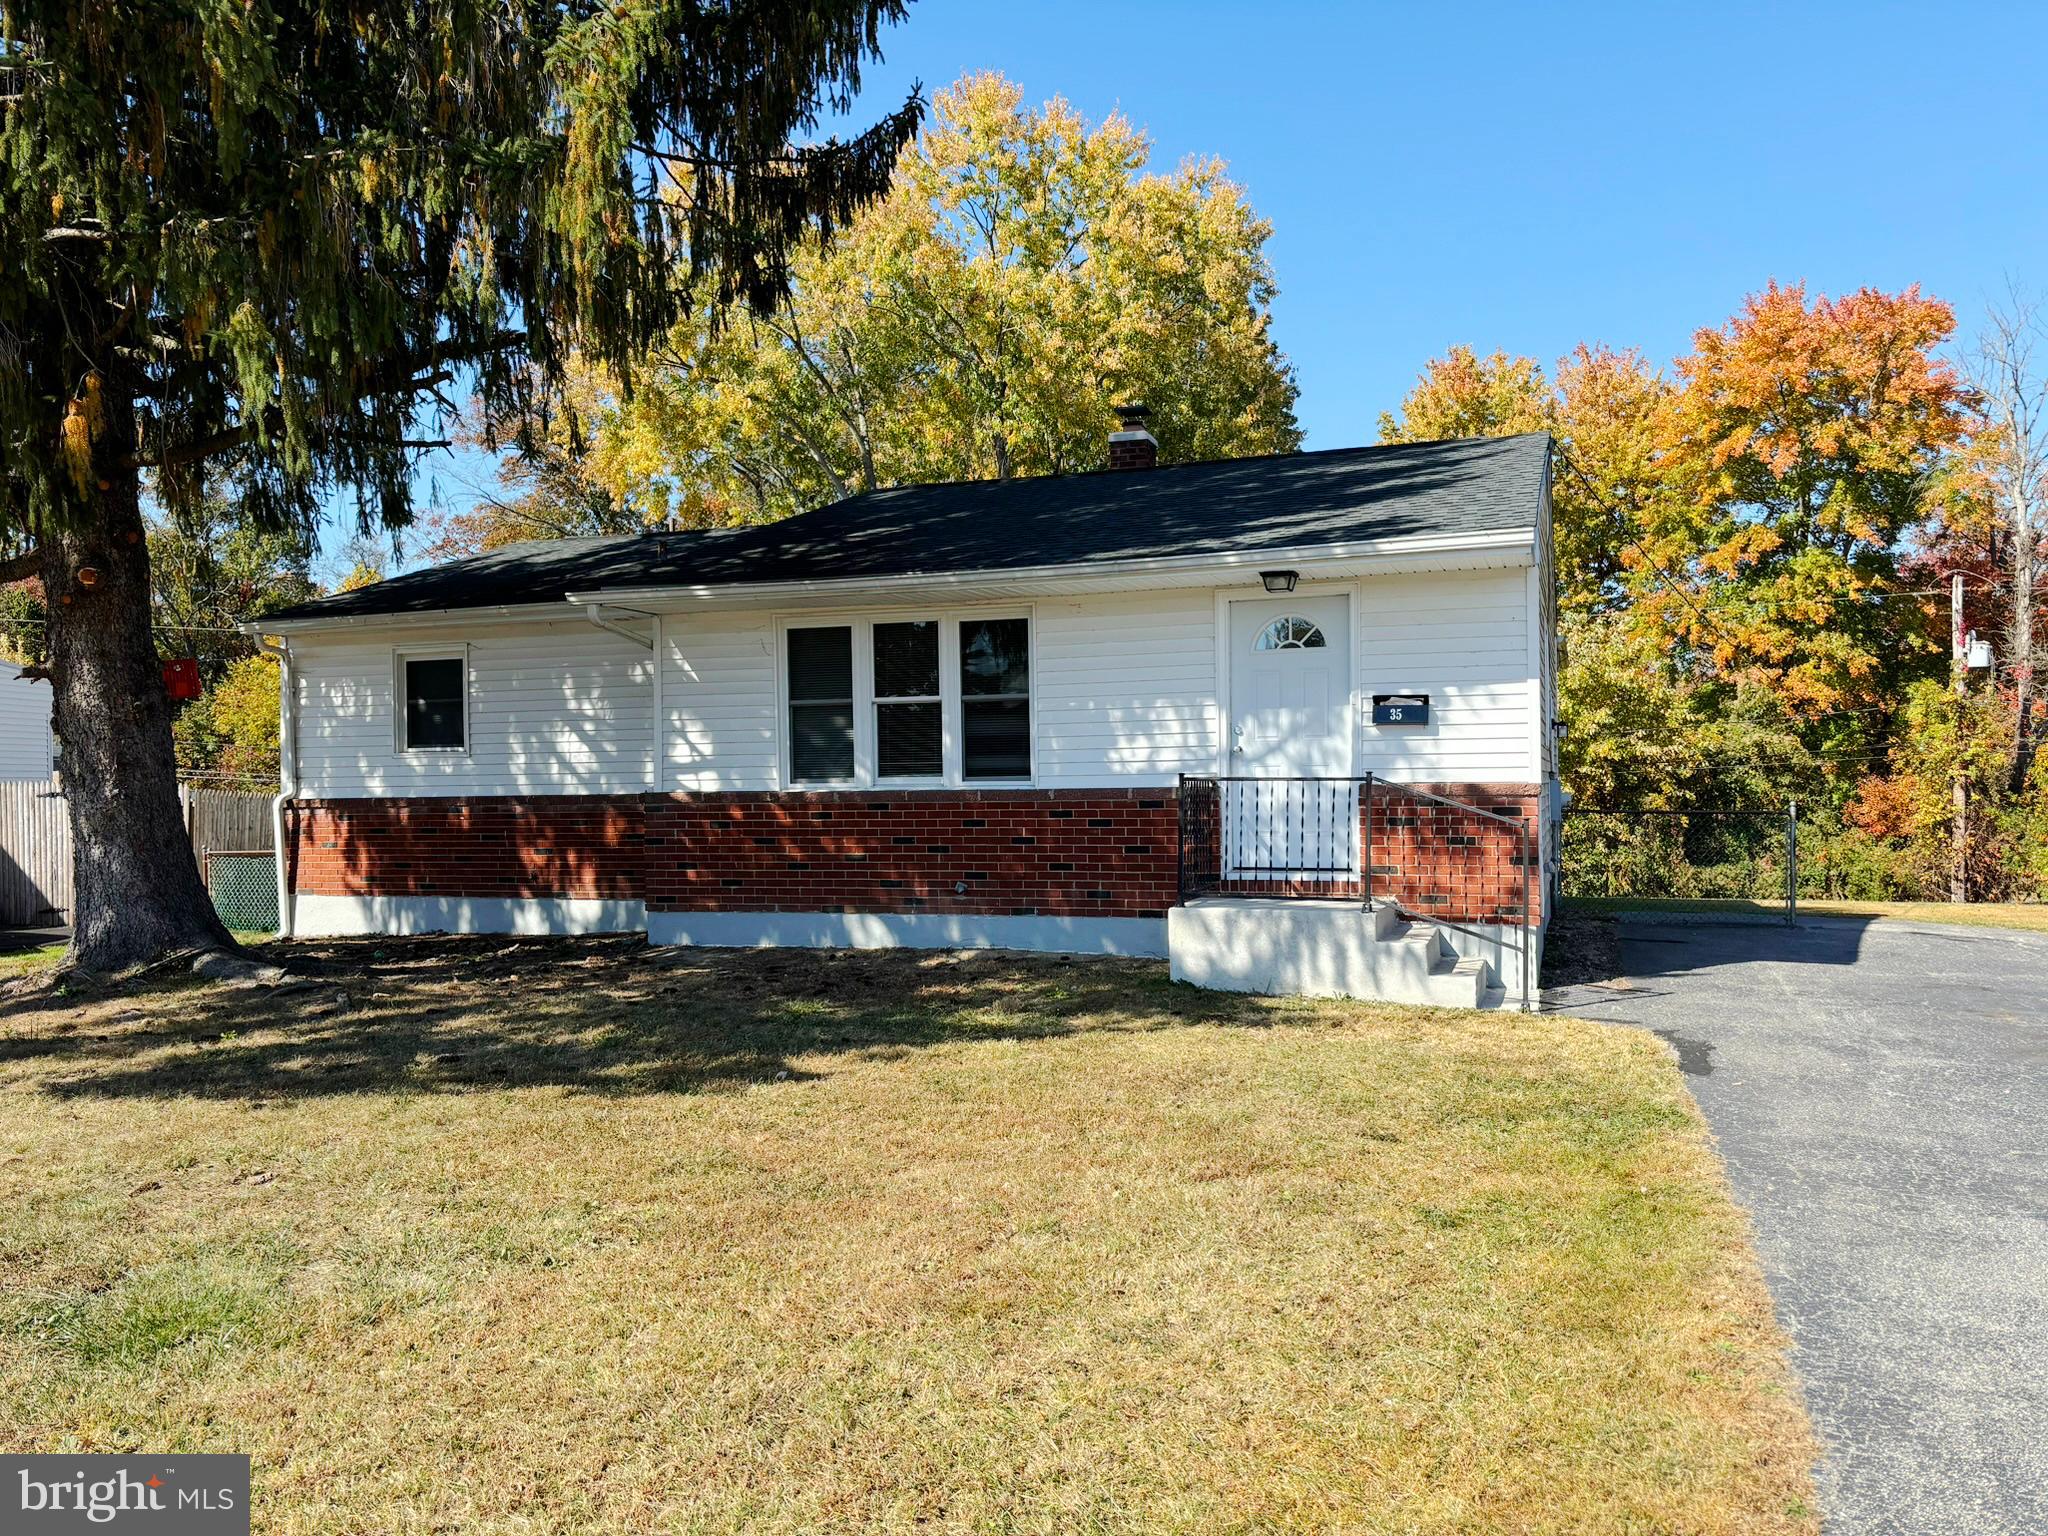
(2031, 917)
(586, 1237)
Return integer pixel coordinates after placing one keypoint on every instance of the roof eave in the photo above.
(555, 608)
(1474, 551)
(1503, 547)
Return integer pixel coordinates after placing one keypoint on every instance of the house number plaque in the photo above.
(1400, 709)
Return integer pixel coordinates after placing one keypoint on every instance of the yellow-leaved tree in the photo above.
(1603, 407)
(1025, 274)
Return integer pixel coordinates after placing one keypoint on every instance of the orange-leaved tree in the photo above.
(1603, 407)
(1805, 436)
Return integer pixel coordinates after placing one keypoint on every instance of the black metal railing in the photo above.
(1450, 861)
(1281, 830)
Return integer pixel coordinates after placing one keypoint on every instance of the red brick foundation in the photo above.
(1056, 853)
(491, 846)
(1444, 861)
(1097, 853)
(1435, 860)
(1093, 853)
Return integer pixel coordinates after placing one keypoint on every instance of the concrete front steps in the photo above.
(1309, 948)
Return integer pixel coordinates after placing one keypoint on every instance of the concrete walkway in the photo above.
(1880, 1093)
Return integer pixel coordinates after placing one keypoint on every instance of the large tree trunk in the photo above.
(137, 891)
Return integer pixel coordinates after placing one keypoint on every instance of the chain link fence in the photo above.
(1722, 865)
(243, 884)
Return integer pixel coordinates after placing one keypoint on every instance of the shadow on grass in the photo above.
(442, 1015)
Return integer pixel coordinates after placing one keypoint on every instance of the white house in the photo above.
(27, 750)
(1287, 718)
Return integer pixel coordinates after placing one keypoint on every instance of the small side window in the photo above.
(435, 717)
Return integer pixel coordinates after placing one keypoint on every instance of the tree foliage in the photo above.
(1643, 735)
(1804, 440)
(230, 731)
(1603, 408)
(247, 244)
(1742, 551)
(1026, 273)
(210, 571)
(583, 473)
(1462, 394)
(271, 229)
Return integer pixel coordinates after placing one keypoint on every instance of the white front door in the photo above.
(1290, 737)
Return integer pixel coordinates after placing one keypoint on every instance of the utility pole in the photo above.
(1959, 783)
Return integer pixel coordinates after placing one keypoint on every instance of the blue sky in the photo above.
(1530, 176)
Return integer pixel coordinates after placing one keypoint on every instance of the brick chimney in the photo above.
(1131, 446)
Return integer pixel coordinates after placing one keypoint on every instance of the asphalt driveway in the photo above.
(1880, 1092)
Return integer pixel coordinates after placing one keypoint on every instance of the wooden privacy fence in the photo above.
(224, 818)
(35, 853)
(35, 842)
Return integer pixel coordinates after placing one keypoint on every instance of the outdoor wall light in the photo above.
(1279, 581)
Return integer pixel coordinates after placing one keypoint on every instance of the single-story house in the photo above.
(1287, 719)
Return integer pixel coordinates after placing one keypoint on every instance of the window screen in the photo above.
(820, 704)
(995, 699)
(433, 702)
(907, 739)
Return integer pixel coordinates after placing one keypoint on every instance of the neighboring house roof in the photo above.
(1296, 501)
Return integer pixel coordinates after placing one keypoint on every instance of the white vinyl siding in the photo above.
(1463, 639)
(1126, 688)
(718, 693)
(1125, 693)
(1543, 595)
(561, 708)
(25, 744)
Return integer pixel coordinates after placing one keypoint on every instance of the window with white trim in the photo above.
(909, 710)
(995, 699)
(433, 701)
(933, 700)
(820, 665)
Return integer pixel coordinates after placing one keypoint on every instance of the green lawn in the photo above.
(2030, 916)
(23, 962)
(581, 1236)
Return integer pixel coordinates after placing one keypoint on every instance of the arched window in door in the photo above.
(1289, 634)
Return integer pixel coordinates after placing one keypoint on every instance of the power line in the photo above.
(176, 629)
(1669, 580)
(1844, 597)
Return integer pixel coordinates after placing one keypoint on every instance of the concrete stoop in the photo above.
(1306, 948)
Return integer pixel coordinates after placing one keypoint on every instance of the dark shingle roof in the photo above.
(1231, 506)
